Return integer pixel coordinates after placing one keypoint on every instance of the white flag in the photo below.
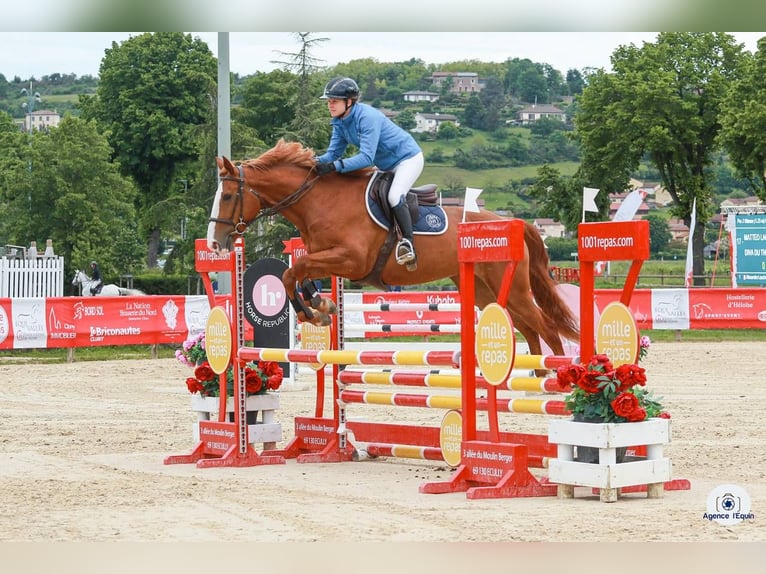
(630, 205)
(471, 195)
(689, 274)
(589, 199)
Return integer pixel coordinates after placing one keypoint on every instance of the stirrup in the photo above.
(405, 253)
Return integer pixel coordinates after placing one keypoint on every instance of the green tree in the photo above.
(406, 120)
(659, 233)
(663, 102)
(155, 91)
(70, 193)
(309, 123)
(267, 104)
(561, 198)
(743, 121)
(447, 131)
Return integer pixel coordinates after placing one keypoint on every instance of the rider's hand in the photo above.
(323, 168)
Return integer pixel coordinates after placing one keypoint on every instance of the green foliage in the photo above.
(659, 233)
(561, 249)
(155, 91)
(743, 120)
(662, 101)
(62, 186)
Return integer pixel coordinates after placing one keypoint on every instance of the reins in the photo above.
(287, 201)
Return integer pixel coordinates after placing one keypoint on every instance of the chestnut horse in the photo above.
(341, 239)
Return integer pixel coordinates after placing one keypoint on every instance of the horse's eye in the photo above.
(226, 196)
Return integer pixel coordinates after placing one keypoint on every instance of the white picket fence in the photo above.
(38, 277)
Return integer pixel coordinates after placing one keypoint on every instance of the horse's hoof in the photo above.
(324, 320)
(330, 307)
(316, 301)
(412, 266)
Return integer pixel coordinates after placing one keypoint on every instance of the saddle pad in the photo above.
(432, 220)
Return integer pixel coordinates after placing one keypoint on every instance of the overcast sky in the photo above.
(35, 54)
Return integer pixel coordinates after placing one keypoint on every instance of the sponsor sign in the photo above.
(451, 437)
(315, 338)
(218, 340)
(501, 240)
(495, 344)
(265, 305)
(749, 248)
(617, 335)
(613, 241)
(209, 261)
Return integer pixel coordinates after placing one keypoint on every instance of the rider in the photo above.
(382, 144)
(96, 277)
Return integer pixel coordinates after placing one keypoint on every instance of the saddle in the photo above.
(428, 218)
(423, 195)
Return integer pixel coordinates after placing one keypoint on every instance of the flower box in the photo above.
(261, 426)
(607, 475)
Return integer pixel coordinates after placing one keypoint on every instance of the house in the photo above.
(531, 114)
(41, 120)
(740, 202)
(462, 82)
(390, 114)
(549, 227)
(678, 229)
(419, 96)
(431, 122)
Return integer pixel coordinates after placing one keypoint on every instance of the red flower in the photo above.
(253, 381)
(204, 372)
(194, 385)
(602, 361)
(589, 381)
(626, 405)
(664, 415)
(274, 382)
(630, 375)
(568, 375)
(269, 368)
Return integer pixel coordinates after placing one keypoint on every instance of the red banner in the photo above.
(693, 308)
(95, 321)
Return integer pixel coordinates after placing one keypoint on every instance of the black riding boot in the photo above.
(405, 249)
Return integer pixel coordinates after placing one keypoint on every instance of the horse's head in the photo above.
(77, 277)
(283, 176)
(233, 208)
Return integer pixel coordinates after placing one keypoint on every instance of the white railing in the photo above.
(38, 277)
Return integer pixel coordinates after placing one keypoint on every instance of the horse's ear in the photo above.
(225, 164)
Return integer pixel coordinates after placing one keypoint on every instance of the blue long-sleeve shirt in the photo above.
(381, 142)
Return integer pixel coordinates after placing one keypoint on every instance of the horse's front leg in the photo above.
(297, 280)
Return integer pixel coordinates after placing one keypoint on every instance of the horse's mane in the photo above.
(292, 153)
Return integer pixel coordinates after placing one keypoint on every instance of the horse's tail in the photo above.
(544, 287)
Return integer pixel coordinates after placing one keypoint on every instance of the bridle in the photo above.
(287, 201)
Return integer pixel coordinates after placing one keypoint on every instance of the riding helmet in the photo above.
(341, 89)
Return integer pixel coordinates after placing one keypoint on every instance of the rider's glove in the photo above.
(323, 168)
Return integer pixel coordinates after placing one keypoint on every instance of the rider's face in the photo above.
(336, 107)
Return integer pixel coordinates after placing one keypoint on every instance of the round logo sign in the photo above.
(617, 335)
(495, 344)
(218, 340)
(728, 504)
(315, 338)
(451, 437)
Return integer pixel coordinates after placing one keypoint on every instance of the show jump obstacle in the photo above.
(489, 463)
